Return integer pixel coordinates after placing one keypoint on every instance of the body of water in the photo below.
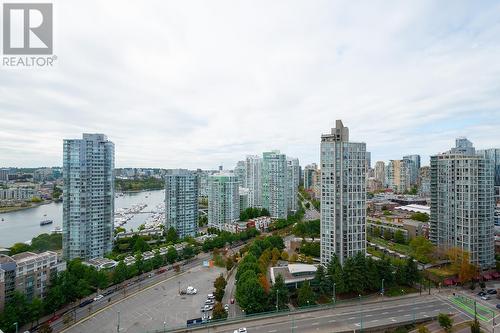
(22, 225)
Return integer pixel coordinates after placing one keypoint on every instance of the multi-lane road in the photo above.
(353, 317)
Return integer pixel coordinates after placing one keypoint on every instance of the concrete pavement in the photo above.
(155, 307)
(353, 317)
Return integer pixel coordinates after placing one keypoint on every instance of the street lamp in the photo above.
(17, 328)
(382, 290)
(118, 324)
(276, 300)
(334, 298)
(360, 314)
(164, 326)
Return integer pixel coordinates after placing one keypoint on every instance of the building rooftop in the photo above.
(416, 208)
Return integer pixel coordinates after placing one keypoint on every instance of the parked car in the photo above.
(491, 291)
(485, 297)
(109, 292)
(98, 297)
(84, 303)
(208, 308)
(210, 302)
(211, 296)
(191, 290)
(481, 293)
(498, 306)
(232, 300)
(226, 307)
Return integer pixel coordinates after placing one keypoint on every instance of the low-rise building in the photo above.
(293, 274)
(260, 223)
(101, 263)
(17, 194)
(28, 273)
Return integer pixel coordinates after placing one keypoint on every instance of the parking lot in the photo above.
(156, 307)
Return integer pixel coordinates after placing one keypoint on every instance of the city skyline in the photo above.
(209, 92)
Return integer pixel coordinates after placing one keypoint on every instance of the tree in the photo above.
(423, 329)
(475, 327)
(276, 254)
(354, 273)
(306, 295)
(399, 237)
(422, 249)
(411, 272)
(120, 273)
(140, 245)
(284, 255)
(321, 282)
(445, 322)
(19, 248)
(36, 309)
(249, 293)
(229, 264)
(294, 257)
(139, 263)
(157, 260)
(188, 252)
(460, 264)
(220, 282)
(336, 274)
(264, 282)
(219, 294)
(419, 216)
(171, 235)
(376, 232)
(171, 255)
(219, 312)
(387, 234)
(279, 291)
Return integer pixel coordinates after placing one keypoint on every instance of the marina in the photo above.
(21, 226)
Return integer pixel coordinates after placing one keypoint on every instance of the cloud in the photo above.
(196, 84)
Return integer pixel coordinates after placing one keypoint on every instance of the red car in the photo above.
(53, 319)
(232, 300)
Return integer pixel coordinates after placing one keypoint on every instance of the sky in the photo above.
(197, 84)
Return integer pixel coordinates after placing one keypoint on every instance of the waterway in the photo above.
(22, 225)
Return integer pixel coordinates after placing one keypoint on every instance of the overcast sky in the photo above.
(195, 84)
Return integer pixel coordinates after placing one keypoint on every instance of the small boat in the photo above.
(45, 222)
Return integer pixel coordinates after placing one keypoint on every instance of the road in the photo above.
(311, 213)
(234, 309)
(353, 317)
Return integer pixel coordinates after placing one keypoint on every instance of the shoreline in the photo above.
(138, 191)
(34, 205)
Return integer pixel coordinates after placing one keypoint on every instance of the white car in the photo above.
(191, 290)
(240, 330)
(208, 308)
(485, 297)
(210, 296)
(98, 297)
(226, 307)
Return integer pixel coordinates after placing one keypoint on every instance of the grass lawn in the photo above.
(442, 272)
(399, 291)
(401, 248)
